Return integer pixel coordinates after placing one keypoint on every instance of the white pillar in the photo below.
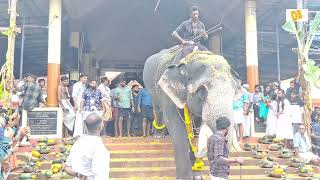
(251, 43)
(54, 51)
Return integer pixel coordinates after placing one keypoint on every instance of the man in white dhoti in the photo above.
(77, 92)
(302, 147)
(89, 159)
(105, 90)
(204, 134)
(238, 111)
(106, 103)
(296, 110)
(247, 112)
(69, 114)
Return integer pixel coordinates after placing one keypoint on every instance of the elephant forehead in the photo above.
(218, 64)
(206, 57)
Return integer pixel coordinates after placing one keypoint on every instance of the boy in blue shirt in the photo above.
(146, 108)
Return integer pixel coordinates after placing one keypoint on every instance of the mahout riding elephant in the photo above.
(202, 81)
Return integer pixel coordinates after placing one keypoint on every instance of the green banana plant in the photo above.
(311, 70)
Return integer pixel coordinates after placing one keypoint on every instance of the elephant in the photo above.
(203, 81)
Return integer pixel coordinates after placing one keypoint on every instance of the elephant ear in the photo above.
(173, 84)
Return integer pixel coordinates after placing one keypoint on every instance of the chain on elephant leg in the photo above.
(159, 128)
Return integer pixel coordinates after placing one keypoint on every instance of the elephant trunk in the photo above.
(217, 106)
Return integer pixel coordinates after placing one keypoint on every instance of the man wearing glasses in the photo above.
(302, 147)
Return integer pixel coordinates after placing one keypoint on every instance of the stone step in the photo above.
(149, 158)
(157, 162)
(166, 153)
(139, 146)
(231, 177)
(144, 148)
(170, 171)
(124, 140)
(147, 172)
(14, 176)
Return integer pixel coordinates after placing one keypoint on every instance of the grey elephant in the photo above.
(203, 82)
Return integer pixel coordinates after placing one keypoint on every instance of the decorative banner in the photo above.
(297, 15)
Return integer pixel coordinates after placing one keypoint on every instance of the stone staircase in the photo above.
(148, 158)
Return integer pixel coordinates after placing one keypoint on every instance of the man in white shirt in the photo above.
(77, 92)
(105, 90)
(302, 146)
(89, 159)
(106, 103)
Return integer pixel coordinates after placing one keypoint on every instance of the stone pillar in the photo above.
(54, 51)
(251, 44)
(215, 44)
(86, 63)
(89, 66)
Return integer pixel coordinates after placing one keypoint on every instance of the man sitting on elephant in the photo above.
(187, 32)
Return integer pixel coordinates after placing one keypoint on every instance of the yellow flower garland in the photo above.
(198, 164)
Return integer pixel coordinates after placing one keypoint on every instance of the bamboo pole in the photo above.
(7, 77)
(305, 85)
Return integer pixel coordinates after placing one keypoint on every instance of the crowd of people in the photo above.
(127, 111)
(90, 110)
(280, 111)
(269, 106)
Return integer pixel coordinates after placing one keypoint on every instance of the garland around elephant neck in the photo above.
(199, 164)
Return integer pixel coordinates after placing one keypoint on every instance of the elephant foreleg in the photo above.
(181, 145)
(158, 133)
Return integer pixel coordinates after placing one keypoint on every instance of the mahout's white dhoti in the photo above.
(80, 118)
(69, 115)
(247, 119)
(204, 134)
(238, 117)
(78, 125)
(216, 178)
